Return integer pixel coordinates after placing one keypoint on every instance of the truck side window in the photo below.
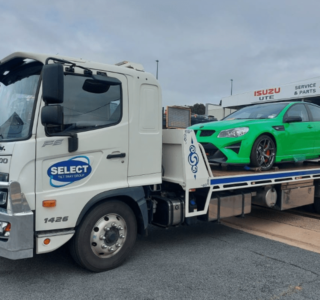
(84, 110)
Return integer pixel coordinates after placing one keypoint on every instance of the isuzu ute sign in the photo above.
(293, 91)
(267, 92)
(66, 172)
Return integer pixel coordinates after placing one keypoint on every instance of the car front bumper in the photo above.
(19, 243)
(229, 154)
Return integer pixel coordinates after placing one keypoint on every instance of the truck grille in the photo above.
(4, 177)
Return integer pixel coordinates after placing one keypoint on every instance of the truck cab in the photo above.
(72, 133)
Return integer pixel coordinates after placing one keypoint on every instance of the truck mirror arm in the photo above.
(73, 141)
(53, 115)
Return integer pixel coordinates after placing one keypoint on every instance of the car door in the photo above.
(101, 162)
(298, 140)
(315, 118)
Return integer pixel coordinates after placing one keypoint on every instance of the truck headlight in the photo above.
(3, 197)
(5, 230)
(4, 177)
(235, 132)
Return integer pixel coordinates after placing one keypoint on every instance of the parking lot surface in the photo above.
(204, 261)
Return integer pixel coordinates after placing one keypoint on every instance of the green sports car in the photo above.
(264, 134)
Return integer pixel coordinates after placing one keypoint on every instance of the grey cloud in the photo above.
(201, 45)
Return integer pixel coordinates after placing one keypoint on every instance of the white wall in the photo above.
(219, 112)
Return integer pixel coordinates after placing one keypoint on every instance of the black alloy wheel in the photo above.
(263, 153)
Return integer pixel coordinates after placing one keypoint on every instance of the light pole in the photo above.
(231, 85)
(157, 68)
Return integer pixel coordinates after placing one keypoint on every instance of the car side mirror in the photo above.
(292, 119)
(52, 115)
(52, 83)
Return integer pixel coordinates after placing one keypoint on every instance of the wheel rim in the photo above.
(265, 153)
(108, 235)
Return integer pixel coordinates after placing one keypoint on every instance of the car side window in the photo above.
(315, 112)
(298, 110)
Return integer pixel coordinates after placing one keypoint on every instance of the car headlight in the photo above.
(235, 132)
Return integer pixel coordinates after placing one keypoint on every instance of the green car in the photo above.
(264, 134)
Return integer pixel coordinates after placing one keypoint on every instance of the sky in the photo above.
(200, 45)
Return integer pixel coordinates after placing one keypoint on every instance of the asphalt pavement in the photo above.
(204, 261)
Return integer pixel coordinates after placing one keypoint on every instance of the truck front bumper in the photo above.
(18, 242)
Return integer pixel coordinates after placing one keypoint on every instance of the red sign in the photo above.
(267, 92)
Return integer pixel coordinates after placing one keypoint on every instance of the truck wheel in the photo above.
(105, 236)
(263, 153)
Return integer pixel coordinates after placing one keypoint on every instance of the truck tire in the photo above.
(105, 237)
(263, 153)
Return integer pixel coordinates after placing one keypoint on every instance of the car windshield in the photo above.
(18, 85)
(261, 111)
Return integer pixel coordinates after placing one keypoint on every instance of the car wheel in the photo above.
(105, 236)
(263, 153)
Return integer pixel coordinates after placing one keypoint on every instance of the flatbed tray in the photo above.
(228, 177)
(232, 170)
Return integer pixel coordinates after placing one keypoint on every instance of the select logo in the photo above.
(66, 172)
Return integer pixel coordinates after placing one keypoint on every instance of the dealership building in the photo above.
(306, 90)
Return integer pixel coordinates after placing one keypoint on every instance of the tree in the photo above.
(198, 109)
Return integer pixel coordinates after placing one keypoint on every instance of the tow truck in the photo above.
(85, 161)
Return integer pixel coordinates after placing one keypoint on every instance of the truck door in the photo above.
(100, 120)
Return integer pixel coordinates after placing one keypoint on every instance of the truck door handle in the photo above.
(309, 126)
(118, 155)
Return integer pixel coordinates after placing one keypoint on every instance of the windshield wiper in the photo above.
(249, 118)
(14, 125)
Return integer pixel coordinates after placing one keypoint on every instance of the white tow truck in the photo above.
(84, 159)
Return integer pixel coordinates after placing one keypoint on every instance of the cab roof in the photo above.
(124, 67)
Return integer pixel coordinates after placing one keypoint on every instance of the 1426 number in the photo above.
(57, 219)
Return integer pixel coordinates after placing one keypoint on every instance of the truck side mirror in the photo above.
(292, 119)
(52, 115)
(99, 84)
(52, 86)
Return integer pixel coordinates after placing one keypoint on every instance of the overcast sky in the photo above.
(200, 44)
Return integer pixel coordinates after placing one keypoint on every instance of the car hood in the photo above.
(229, 124)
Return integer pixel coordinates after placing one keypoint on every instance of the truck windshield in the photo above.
(18, 86)
(260, 111)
